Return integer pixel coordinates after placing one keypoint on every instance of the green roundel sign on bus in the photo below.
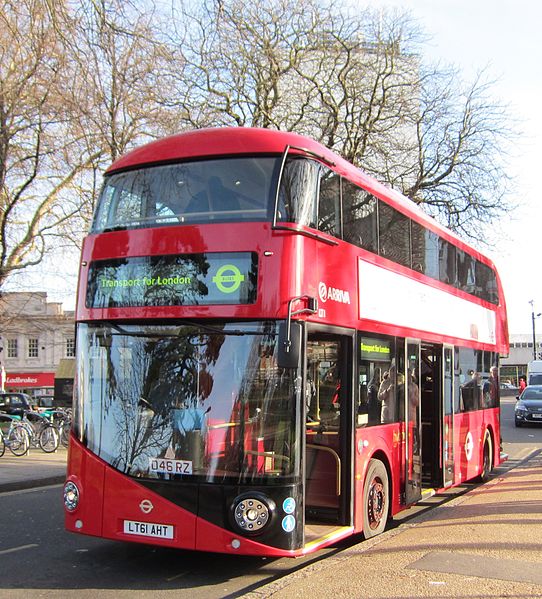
(228, 278)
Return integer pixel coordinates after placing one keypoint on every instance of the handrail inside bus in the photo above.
(337, 463)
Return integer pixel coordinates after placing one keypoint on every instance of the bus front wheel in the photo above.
(376, 499)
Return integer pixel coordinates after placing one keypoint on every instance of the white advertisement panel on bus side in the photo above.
(396, 299)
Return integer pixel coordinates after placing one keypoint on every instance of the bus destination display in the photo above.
(173, 280)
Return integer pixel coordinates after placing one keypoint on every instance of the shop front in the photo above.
(33, 383)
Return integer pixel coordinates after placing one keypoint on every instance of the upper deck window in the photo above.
(424, 250)
(360, 224)
(310, 195)
(299, 192)
(394, 235)
(230, 189)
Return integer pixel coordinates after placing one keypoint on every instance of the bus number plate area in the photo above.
(148, 529)
(167, 466)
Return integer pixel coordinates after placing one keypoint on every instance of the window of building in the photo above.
(33, 348)
(13, 350)
(70, 348)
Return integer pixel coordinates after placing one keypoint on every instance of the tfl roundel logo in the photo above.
(228, 278)
(322, 291)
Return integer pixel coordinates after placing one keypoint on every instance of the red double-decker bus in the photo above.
(274, 350)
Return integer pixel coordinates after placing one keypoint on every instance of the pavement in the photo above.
(484, 543)
(35, 469)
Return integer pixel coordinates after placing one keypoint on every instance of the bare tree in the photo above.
(462, 140)
(38, 163)
(237, 56)
(355, 82)
(121, 84)
(78, 87)
(82, 83)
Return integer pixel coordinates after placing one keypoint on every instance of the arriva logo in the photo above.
(333, 294)
(228, 278)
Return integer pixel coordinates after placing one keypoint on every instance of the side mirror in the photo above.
(289, 348)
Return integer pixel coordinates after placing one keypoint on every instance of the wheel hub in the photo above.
(376, 503)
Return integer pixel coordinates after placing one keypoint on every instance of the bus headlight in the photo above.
(252, 512)
(71, 496)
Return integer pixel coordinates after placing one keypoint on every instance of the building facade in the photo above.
(36, 337)
(521, 353)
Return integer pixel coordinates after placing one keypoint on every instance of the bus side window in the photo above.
(465, 272)
(298, 189)
(424, 250)
(393, 235)
(329, 204)
(360, 225)
(447, 263)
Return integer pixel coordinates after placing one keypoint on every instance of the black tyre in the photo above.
(18, 441)
(2, 446)
(376, 499)
(65, 435)
(487, 459)
(518, 423)
(49, 439)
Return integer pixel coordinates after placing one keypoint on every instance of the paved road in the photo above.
(38, 558)
(517, 442)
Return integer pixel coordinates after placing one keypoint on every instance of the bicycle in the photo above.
(62, 419)
(16, 439)
(41, 432)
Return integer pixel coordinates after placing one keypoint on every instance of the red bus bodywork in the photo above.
(291, 264)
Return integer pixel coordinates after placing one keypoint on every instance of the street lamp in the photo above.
(533, 315)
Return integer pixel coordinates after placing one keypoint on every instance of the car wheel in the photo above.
(518, 423)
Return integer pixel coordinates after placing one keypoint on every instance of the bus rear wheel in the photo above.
(376, 499)
(487, 459)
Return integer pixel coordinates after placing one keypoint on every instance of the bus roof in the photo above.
(227, 141)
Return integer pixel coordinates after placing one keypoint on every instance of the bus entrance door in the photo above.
(437, 380)
(448, 413)
(413, 476)
(328, 411)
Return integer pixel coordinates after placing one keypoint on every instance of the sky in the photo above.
(504, 38)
